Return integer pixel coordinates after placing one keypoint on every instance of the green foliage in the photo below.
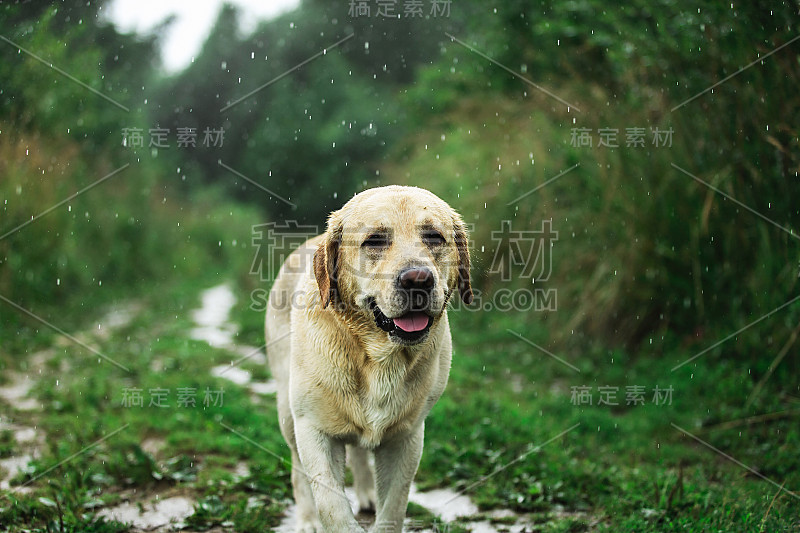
(660, 254)
(647, 258)
(622, 468)
(633, 227)
(81, 219)
(97, 73)
(310, 137)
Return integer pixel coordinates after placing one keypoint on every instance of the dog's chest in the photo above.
(385, 401)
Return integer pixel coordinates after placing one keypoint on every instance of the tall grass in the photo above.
(647, 255)
(134, 227)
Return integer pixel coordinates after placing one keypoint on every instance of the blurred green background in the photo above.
(651, 266)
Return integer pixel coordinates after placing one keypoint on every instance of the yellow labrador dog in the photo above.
(360, 347)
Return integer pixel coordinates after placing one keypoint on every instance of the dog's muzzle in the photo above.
(412, 294)
(409, 328)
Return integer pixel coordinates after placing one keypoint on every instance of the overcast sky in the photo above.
(192, 24)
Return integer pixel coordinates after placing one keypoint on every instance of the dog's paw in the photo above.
(366, 501)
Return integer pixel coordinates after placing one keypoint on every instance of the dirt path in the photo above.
(160, 514)
(17, 393)
(214, 327)
(28, 439)
(167, 512)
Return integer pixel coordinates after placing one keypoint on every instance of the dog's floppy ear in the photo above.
(326, 263)
(464, 285)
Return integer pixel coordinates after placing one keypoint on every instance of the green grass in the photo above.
(86, 404)
(627, 467)
(623, 468)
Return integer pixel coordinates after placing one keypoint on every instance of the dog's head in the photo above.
(397, 254)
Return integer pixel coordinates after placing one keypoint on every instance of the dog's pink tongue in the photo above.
(412, 322)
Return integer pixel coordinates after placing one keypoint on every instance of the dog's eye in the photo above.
(433, 238)
(376, 241)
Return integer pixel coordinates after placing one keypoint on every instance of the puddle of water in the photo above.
(16, 392)
(241, 471)
(23, 435)
(11, 467)
(153, 445)
(264, 387)
(243, 377)
(445, 503)
(117, 317)
(213, 327)
(212, 317)
(155, 514)
(19, 385)
(250, 353)
(214, 336)
(232, 373)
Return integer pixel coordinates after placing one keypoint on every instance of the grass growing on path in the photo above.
(493, 434)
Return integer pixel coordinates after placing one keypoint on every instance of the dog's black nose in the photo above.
(419, 278)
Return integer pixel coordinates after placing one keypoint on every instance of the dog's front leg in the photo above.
(323, 460)
(396, 462)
